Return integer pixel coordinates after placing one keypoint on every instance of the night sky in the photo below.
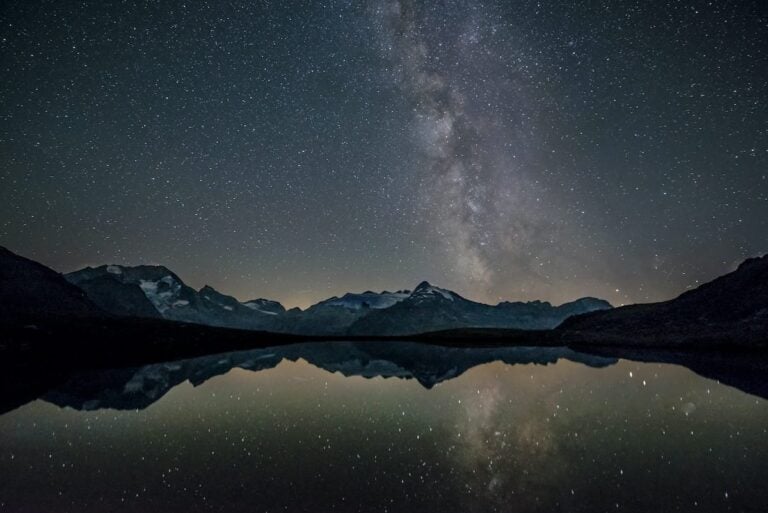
(296, 150)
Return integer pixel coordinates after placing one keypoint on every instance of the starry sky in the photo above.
(296, 150)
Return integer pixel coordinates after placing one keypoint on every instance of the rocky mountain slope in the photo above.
(155, 291)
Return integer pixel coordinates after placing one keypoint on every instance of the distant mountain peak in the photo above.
(367, 299)
(591, 300)
(266, 306)
(425, 290)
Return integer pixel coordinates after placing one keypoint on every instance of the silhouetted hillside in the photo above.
(730, 309)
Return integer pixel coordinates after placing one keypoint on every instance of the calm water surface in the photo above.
(597, 435)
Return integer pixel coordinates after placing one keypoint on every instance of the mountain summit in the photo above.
(431, 308)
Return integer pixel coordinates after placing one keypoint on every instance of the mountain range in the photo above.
(730, 311)
(156, 292)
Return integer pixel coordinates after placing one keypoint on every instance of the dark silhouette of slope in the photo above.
(732, 309)
(29, 290)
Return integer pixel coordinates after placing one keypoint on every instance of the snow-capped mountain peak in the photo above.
(265, 306)
(427, 291)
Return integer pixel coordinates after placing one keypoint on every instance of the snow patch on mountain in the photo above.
(264, 306)
(373, 300)
(427, 291)
(257, 308)
(162, 293)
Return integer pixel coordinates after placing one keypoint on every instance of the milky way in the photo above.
(472, 188)
(506, 150)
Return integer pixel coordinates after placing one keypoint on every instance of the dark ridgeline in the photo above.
(29, 291)
(732, 309)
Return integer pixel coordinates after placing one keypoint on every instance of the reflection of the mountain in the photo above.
(140, 387)
(137, 388)
(744, 370)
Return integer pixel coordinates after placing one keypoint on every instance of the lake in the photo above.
(387, 427)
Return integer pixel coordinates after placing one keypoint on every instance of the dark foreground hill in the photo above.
(29, 290)
(732, 309)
